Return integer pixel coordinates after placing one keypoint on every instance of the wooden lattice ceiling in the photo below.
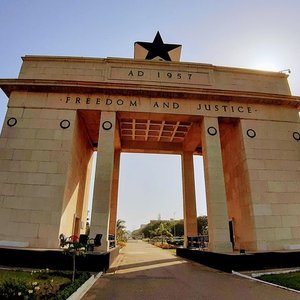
(147, 133)
(153, 130)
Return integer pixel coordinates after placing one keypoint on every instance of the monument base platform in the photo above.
(228, 262)
(55, 259)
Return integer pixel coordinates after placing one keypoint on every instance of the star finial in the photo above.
(157, 50)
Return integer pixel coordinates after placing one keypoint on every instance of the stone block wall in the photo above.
(273, 163)
(125, 70)
(34, 160)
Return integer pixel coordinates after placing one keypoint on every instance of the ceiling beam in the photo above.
(192, 140)
(151, 147)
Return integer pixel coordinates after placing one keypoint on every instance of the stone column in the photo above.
(104, 178)
(218, 226)
(189, 196)
(114, 196)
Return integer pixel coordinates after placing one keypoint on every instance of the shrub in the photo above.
(18, 289)
(70, 289)
(121, 244)
(32, 289)
(164, 246)
(12, 289)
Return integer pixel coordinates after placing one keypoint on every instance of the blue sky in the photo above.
(249, 34)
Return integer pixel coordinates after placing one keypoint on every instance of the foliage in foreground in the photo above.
(290, 280)
(39, 284)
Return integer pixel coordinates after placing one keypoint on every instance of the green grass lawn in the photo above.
(41, 277)
(41, 284)
(290, 280)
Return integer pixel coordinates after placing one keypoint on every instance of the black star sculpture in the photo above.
(157, 48)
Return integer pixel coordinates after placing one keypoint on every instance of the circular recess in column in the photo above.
(212, 130)
(251, 133)
(107, 125)
(296, 136)
(11, 122)
(64, 124)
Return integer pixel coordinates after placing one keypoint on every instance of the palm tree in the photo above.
(121, 232)
(162, 231)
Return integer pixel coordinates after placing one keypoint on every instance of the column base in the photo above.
(104, 246)
(221, 247)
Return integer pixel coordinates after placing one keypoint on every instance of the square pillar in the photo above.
(218, 226)
(40, 187)
(114, 196)
(189, 196)
(104, 178)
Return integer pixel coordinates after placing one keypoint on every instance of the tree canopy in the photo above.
(175, 227)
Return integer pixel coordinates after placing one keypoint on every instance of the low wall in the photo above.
(243, 262)
(56, 259)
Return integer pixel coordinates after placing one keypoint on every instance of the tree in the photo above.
(149, 230)
(121, 232)
(179, 227)
(72, 247)
(202, 225)
(162, 231)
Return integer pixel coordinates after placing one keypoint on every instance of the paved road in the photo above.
(143, 271)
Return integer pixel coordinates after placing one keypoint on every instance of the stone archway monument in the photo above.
(244, 123)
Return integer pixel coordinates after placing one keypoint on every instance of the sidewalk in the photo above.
(143, 271)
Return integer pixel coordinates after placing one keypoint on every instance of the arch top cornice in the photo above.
(178, 80)
(128, 89)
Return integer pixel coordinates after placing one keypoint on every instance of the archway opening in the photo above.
(150, 188)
